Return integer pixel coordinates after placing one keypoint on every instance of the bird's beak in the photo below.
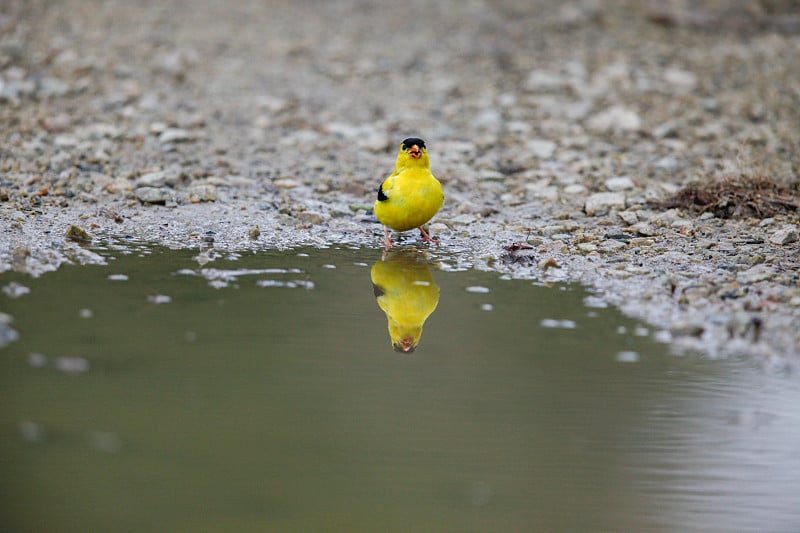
(415, 152)
(405, 345)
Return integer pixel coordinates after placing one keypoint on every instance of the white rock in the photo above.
(667, 163)
(682, 79)
(755, 274)
(542, 148)
(615, 119)
(644, 228)
(52, 87)
(574, 189)
(629, 217)
(621, 183)
(785, 235)
(374, 141)
(175, 135)
(153, 195)
(202, 192)
(545, 79)
(158, 178)
(603, 202)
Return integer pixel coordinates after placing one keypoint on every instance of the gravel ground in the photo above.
(228, 126)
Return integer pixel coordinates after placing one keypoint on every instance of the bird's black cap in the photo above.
(411, 141)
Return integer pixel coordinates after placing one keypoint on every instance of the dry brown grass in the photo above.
(744, 197)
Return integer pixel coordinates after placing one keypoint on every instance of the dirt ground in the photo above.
(560, 130)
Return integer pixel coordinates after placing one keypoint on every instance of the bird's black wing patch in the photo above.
(381, 197)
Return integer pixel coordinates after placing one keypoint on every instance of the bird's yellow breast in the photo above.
(413, 197)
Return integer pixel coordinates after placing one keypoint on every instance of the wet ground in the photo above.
(260, 391)
(269, 126)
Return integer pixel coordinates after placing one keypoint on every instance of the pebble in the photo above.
(175, 135)
(629, 217)
(542, 148)
(286, 183)
(159, 178)
(546, 80)
(202, 192)
(644, 228)
(615, 119)
(755, 274)
(603, 202)
(681, 79)
(574, 189)
(153, 195)
(785, 235)
(621, 183)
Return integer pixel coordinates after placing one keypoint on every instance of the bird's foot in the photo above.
(428, 238)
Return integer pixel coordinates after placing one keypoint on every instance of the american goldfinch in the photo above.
(405, 291)
(411, 195)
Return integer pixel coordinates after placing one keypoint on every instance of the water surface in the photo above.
(263, 393)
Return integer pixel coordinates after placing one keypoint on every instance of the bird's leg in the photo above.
(386, 240)
(426, 237)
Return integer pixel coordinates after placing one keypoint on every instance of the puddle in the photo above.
(343, 390)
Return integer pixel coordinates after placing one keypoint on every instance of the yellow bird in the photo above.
(411, 195)
(407, 294)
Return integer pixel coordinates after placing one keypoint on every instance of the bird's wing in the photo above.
(386, 187)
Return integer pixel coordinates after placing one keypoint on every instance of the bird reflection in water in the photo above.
(406, 292)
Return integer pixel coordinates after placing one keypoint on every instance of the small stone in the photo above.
(175, 135)
(621, 183)
(310, 217)
(542, 148)
(158, 178)
(463, 219)
(153, 195)
(628, 217)
(755, 274)
(202, 192)
(681, 79)
(286, 183)
(544, 80)
(66, 141)
(644, 229)
(574, 189)
(667, 163)
(603, 202)
(669, 128)
(56, 123)
(612, 245)
(785, 235)
(121, 185)
(53, 87)
(79, 235)
(587, 247)
(615, 119)
(374, 141)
